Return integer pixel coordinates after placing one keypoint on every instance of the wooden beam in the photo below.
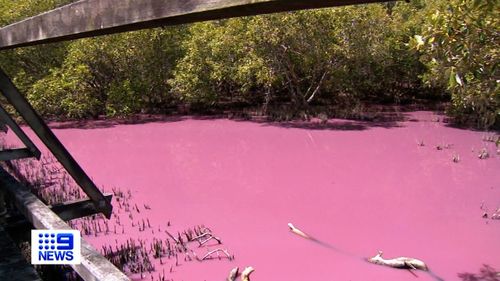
(13, 154)
(94, 266)
(77, 209)
(6, 119)
(55, 146)
(66, 211)
(88, 18)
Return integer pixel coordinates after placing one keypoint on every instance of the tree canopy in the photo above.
(328, 61)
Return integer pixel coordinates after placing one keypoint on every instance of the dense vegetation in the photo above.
(288, 65)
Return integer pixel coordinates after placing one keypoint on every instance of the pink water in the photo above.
(359, 187)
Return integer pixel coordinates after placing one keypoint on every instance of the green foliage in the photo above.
(13, 11)
(64, 93)
(335, 59)
(305, 57)
(459, 44)
(27, 65)
(113, 75)
(219, 63)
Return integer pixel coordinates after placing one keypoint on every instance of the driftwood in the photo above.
(401, 262)
(216, 251)
(245, 274)
(298, 231)
(235, 272)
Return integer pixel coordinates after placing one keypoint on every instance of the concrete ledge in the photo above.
(94, 266)
(13, 266)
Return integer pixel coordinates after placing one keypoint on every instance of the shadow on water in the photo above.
(110, 123)
(469, 127)
(334, 125)
(385, 120)
(382, 120)
(486, 273)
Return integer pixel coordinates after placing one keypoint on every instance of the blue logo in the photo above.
(55, 247)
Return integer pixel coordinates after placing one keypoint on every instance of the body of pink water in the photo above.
(360, 187)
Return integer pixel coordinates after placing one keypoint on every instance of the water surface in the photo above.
(361, 187)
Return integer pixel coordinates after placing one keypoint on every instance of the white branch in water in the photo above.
(235, 272)
(210, 238)
(216, 251)
(401, 262)
(496, 215)
(298, 231)
(245, 275)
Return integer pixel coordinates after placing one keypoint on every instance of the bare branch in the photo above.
(401, 262)
(317, 87)
(245, 275)
(235, 272)
(216, 251)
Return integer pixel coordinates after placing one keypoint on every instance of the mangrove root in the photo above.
(235, 272)
(401, 262)
(245, 274)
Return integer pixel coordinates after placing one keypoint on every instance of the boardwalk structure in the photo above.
(90, 18)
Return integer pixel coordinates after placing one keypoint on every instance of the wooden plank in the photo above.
(5, 117)
(12, 154)
(13, 266)
(55, 146)
(67, 211)
(88, 18)
(94, 266)
(77, 209)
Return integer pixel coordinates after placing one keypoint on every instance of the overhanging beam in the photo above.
(88, 18)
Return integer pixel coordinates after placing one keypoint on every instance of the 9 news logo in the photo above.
(55, 247)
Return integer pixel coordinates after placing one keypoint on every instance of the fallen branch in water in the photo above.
(235, 272)
(401, 262)
(210, 238)
(299, 232)
(245, 275)
(302, 234)
(216, 251)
